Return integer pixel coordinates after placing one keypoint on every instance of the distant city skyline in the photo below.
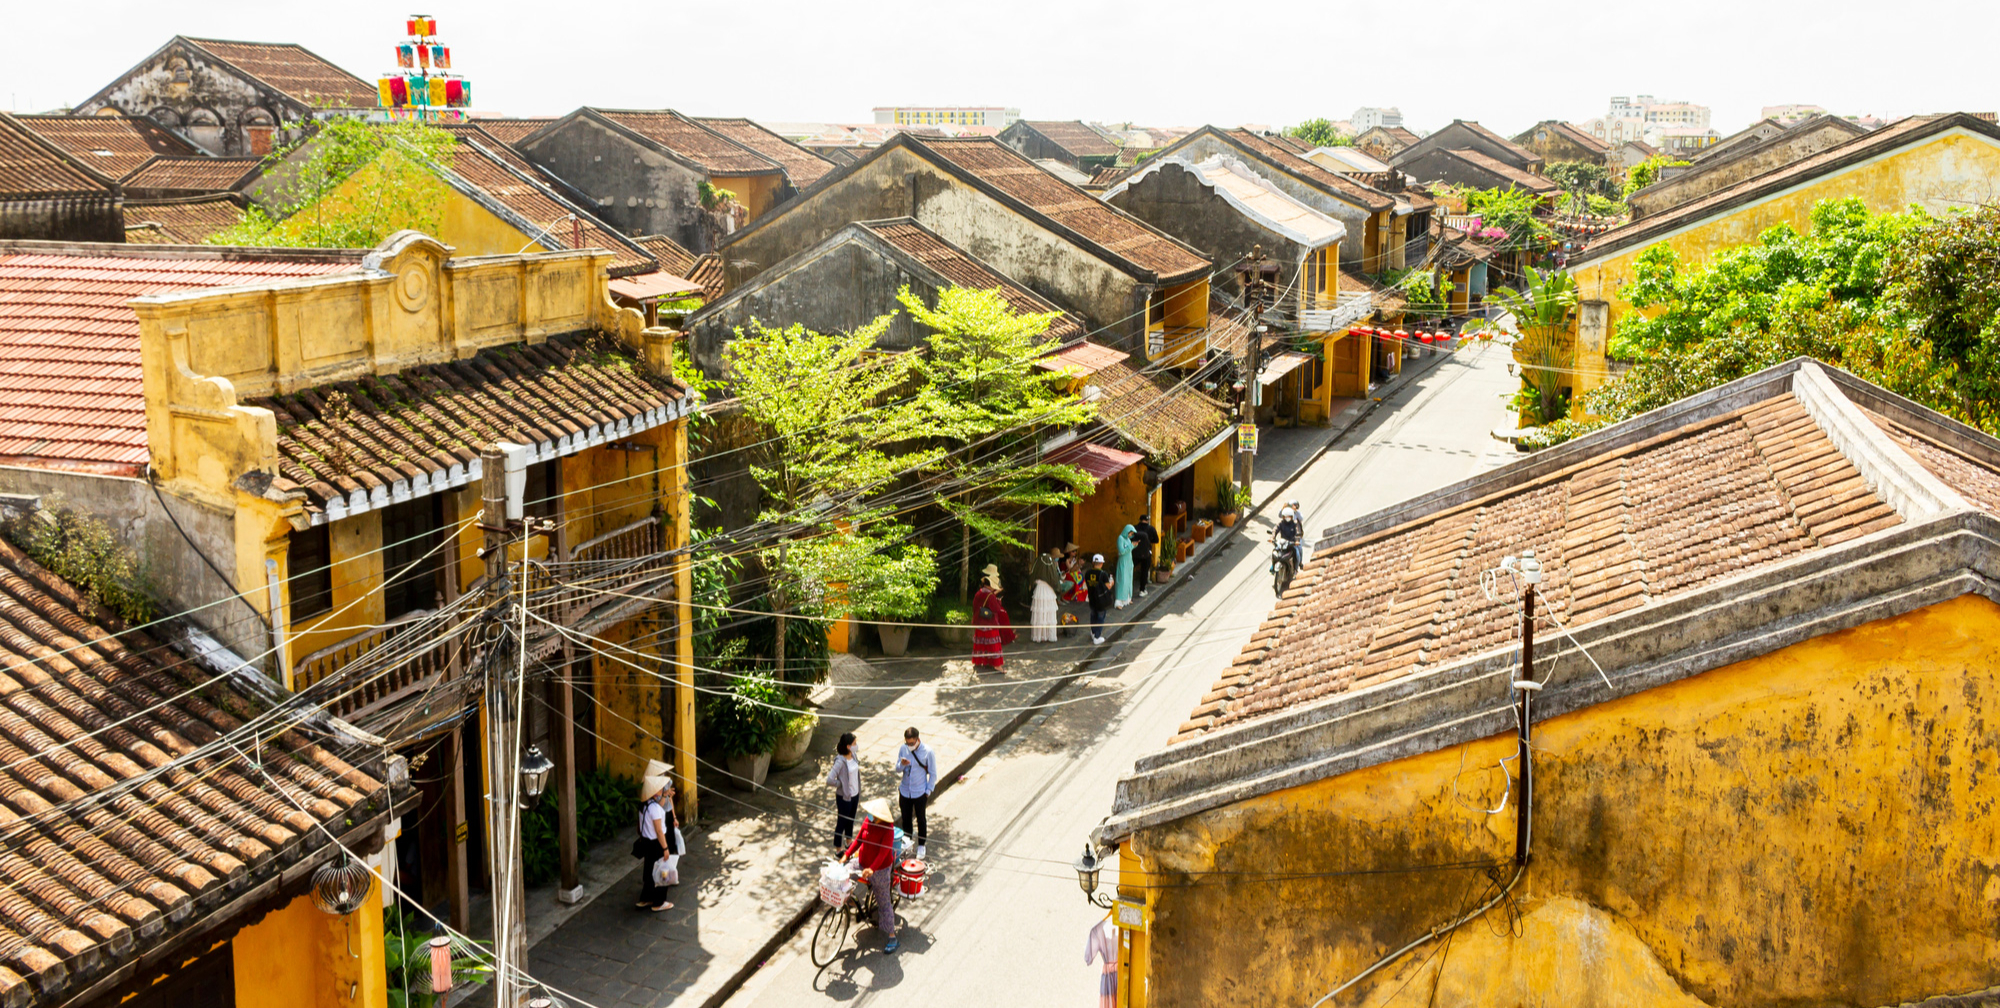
(779, 72)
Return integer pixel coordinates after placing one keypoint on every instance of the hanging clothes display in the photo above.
(441, 57)
(1101, 946)
(454, 93)
(386, 91)
(465, 92)
(406, 55)
(423, 55)
(399, 92)
(437, 92)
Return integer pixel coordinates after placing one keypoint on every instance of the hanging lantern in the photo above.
(440, 965)
(1424, 336)
(535, 769)
(1401, 335)
(340, 887)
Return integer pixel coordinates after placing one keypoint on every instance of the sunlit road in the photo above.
(1004, 923)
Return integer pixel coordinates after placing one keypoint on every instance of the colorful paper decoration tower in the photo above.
(429, 87)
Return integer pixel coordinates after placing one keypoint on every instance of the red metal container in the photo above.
(910, 877)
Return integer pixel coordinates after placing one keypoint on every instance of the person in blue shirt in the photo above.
(918, 765)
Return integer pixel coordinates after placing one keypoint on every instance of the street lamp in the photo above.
(535, 769)
(1087, 868)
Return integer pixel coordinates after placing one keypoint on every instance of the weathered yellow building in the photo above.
(334, 428)
(1765, 642)
(1939, 162)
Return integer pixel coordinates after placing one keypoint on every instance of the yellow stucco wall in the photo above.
(1807, 827)
(1220, 462)
(301, 957)
(1118, 502)
(1954, 169)
(757, 193)
(476, 231)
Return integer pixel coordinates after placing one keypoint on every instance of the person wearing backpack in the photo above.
(659, 837)
(845, 776)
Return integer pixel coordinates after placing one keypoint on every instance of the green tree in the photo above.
(1543, 342)
(841, 431)
(350, 185)
(1321, 133)
(1582, 177)
(1647, 172)
(988, 403)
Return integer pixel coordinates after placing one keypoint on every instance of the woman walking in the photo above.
(991, 627)
(845, 776)
(658, 825)
(1127, 542)
(1042, 608)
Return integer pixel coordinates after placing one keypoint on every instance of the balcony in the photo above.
(412, 652)
(602, 581)
(1176, 346)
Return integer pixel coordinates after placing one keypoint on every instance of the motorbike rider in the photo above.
(1292, 530)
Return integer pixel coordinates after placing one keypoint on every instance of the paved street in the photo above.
(1005, 916)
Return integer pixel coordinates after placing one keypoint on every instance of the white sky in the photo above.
(1163, 62)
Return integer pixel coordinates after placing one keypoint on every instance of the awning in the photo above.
(1100, 462)
(1281, 365)
(647, 286)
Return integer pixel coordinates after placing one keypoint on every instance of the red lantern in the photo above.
(1401, 335)
(1424, 336)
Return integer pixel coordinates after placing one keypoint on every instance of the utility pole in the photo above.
(1530, 571)
(502, 480)
(1256, 288)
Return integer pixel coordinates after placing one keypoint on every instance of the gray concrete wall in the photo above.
(1356, 218)
(840, 289)
(898, 183)
(210, 89)
(174, 566)
(1174, 200)
(634, 187)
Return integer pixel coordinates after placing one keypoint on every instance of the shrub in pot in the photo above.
(795, 740)
(893, 590)
(954, 625)
(748, 721)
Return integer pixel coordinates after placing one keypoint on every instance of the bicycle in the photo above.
(857, 906)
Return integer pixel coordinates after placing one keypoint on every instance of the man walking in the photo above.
(1098, 582)
(919, 769)
(1148, 544)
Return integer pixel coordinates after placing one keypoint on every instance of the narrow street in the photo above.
(1004, 903)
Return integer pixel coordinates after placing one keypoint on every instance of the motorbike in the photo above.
(1284, 563)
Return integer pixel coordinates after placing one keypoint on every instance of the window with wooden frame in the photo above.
(309, 559)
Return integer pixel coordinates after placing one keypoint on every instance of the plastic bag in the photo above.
(836, 880)
(667, 871)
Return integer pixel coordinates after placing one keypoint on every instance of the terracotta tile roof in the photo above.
(187, 221)
(1505, 144)
(1027, 184)
(1401, 134)
(1165, 418)
(707, 271)
(507, 178)
(1977, 481)
(802, 166)
(1333, 182)
(193, 175)
(1106, 174)
(1082, 358)
(1525, 179)
(1100, 461)
(692, 142)
(126, 826)
(839, 157)
(296, 71)
(70, 386)
(962, 270)
(1579, 137)
(1291, 142)
(1629, 526)
(32, 166)
(1388, 300)
(512, 131)
(1915, 129)
(112, 144)
(671, 256)
(1073, 136)
(425, 420)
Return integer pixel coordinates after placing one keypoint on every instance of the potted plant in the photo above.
(795, 739)
(893, 588)
(954, 624)
(1231, 499)
(749, 719)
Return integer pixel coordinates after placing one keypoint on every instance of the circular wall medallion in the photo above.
(413, 286)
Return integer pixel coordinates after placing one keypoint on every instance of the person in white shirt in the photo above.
(845, 776)
(657, 823)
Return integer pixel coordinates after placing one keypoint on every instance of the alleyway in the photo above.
(1005, 903)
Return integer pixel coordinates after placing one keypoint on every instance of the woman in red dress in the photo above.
(991, 627)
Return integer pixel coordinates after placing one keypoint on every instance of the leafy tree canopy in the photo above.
(1647, 172)
(1321, 133)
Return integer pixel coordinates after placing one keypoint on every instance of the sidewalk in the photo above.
(750, 875)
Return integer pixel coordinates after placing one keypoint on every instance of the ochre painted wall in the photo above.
(1808, 827)
(1219, 462)
(757, 193)
(301, 957)
(1117, 502)
(1954, 169)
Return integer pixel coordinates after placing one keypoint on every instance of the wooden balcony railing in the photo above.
(414, 666)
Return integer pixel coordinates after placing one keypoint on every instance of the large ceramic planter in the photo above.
(747, 773)
(895, 638)
(956, 636)
(1226, 520)
(791, 750)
